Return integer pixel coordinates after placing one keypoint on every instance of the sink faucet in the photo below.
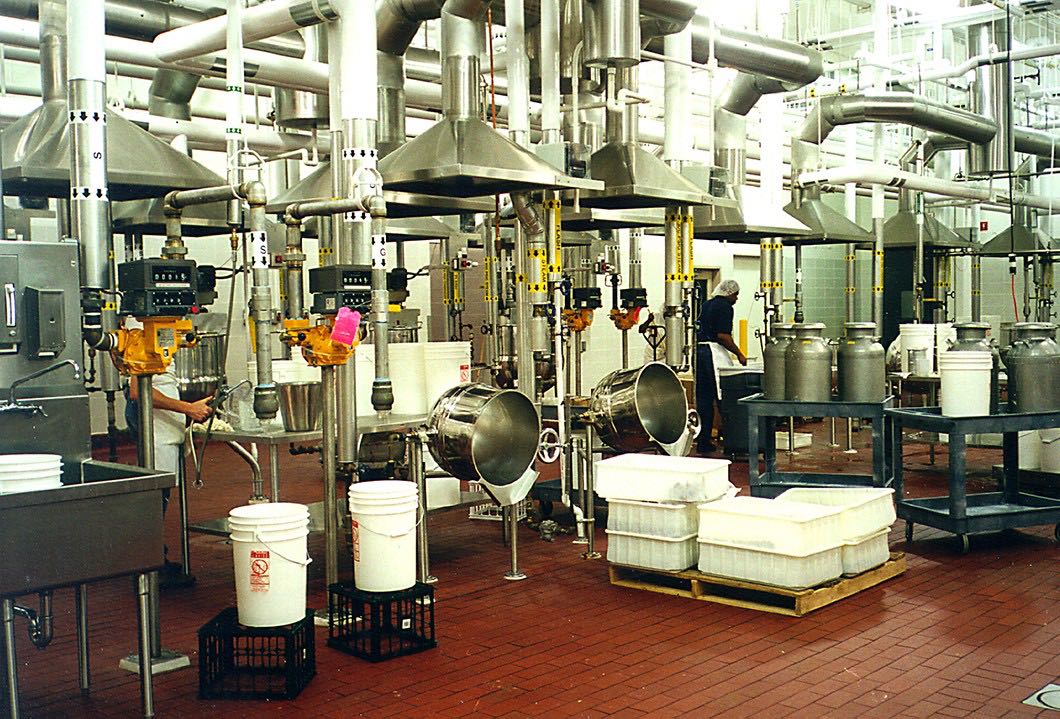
(12, 404)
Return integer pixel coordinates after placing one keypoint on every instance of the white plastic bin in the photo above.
(864, 509)
(658, 478)
(768, 525)
(671, 554)
(790, 571)
(865, 553)
(658, 519)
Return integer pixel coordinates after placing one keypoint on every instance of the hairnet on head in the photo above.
(726, 288)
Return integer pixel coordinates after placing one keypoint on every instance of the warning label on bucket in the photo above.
(465, 373)
(355, 535)
(259, 571)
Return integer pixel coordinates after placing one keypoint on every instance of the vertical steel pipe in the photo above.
(143, 623)
(84, 675)
(673, 284)
(7, 618)
(328, 453)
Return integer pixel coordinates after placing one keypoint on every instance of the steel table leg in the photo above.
(7, 616)
(274, 471)
(182, 488)
(81, 610)
(590, 495)
(879, 474)
(769, 447)
(958, 495)
(753, 422)
(143, 618)
(1010, 490)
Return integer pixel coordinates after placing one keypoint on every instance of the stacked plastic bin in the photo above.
(652, 518)
(803, 538)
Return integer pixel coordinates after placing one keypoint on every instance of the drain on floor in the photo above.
(1048, 697)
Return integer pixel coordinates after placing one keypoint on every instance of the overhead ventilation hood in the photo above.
(589, 219)
(748, 220)
(1018, 240)
(317, 186)
(901, 231)
(635, 178)
(36, 158)
(825, 224)
(465, 157)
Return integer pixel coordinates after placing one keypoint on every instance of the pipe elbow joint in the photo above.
(254, 193)
(266, 402)
(375, 206)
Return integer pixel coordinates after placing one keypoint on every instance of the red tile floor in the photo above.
(955, 636)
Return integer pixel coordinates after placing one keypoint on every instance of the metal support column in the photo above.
(84, 676)
(143, 621)
(414, 446)
(514, 574)
(589, 489)
(7, 617)
(331, 529)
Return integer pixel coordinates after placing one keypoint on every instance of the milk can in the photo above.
(773, 357)
(861, 364)
(1033, 365)
(971, 337)
(808, 365)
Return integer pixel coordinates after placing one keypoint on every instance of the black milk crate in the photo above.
(238, 662)
(380, 625)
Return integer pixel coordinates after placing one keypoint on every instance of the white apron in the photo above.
(721, 358)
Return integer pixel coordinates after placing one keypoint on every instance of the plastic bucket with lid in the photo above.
(270, 559)
(965, 383)
(447, 365)
(384, 519)
(1050, 452)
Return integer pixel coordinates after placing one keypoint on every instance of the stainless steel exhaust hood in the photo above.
(744, 218)
(901, 231)
(409, 229)
(635, 178)
(825, 224)
(317, 186)
(36, 158)
(1018, 239)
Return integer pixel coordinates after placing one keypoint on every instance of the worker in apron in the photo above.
(715, 349)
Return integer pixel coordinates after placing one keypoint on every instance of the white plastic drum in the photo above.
(447, 365)
(966, 383)
(270, 559)
(384, 518)
(918, 342)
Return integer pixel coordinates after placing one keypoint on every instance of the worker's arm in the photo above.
(725, 340)
(198, 411)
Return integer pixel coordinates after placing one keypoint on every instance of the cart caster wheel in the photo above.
(962, 543)
(909, 531)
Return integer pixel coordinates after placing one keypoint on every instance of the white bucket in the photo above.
(270, 559)
(916, 337)
(965, 383)
(945, 335)
(1030, 449)
(1050, 453)
(448, 364)
(406, 376)
(384, 519)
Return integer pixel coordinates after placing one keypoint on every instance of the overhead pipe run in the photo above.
(258, 22)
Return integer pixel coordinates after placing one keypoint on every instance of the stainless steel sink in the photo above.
(105, 521)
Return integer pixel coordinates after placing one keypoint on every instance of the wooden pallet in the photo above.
(748, 595)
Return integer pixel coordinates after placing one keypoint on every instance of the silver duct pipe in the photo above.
(751, 53)
(297, 109)
(147, 19)
(613, 38)
(171, 92)
(895, 107)
(390, 130)
(991, 96)
(293, 261)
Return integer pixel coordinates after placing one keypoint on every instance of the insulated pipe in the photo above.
(518, 74)
(390, 129)
(634, 257)
(677, 142)
(891, 175)
(895, 107)
(977, 288)
(258, 22)
(551, 118)
(234, 103)
(146, 19)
